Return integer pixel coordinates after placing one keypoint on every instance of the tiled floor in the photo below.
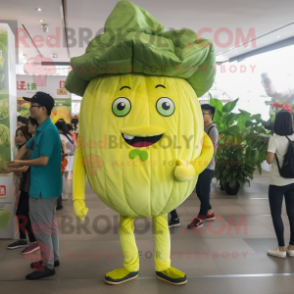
(225, 256)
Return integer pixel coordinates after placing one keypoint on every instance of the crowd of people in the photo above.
(45, 160)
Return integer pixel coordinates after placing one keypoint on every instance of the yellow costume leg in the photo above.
(130, 252)
(162, 253)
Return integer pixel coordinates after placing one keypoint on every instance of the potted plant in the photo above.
(236, 158)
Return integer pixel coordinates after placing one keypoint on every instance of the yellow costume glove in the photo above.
(201, 163)
(79, 182)
(80, 209)
(184, 171)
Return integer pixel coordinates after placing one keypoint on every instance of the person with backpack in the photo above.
(204, 179)
(280, 154)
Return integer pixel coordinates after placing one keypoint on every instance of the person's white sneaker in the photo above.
(290, 252)
(64, 197)
(276, 252)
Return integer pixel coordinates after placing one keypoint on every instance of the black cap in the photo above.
(43, 99)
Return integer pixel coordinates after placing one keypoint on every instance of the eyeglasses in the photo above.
(35, 106)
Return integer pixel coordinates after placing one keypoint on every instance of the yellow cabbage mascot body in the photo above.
(141, 141)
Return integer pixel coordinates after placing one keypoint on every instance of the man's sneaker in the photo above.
(210, 217)
(174, 223)
(64, 197)
(40, 273)
(18, 244)
(31, 248)
(39, 263)
(195, 223)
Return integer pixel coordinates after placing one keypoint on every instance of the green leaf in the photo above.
(244, 112)
(216, 103)
(233, 131)
(249, 123)
(257, 117)
(217, 117)
(228, 107)
(229, 118)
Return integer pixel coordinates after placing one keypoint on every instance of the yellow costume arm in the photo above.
(201, 163)
(186, 172)
(79, 182)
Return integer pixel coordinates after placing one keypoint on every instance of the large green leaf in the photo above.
(257, 117)
(245, 112)
(217, 104)
(243, 117)
(217, 117)
(232, 130)
(228, 107)
(249, 123)
(229, 118)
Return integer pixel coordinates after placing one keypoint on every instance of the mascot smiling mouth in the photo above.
(137, 141)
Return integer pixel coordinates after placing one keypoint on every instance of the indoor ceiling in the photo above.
(269, 20)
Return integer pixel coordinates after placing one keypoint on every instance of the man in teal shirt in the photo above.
(46, 183)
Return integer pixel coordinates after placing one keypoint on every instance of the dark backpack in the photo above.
(287, 170)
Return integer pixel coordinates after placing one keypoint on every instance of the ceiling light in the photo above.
(45, 28)
(278, 37)
(41, 20)
(39, 9)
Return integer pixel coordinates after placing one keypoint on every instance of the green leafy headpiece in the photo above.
(134, 41)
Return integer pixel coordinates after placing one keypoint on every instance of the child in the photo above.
(21, 122)
(32, 126)
(24, 223)
(73, 135)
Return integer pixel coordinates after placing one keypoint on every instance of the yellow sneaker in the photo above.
(120, 276)
(173, 276)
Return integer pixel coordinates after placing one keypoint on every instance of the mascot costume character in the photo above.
(141, 115)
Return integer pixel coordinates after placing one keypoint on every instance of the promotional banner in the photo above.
(27, 86)
(8, 119)
(5, 148)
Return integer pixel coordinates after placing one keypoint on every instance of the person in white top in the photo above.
(69, 147)
(279, 186)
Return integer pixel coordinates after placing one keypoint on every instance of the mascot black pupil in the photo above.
(121, 106)
(165, 106)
